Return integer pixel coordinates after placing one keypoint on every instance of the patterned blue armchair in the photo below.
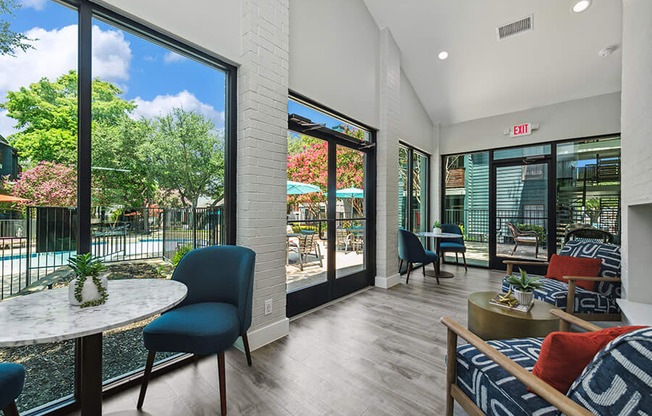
(598, 304)
(492, 378)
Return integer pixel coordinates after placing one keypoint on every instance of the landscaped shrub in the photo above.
(181, 251)
(531, 227)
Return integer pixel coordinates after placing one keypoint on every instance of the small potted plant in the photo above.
(437, 228)
(524, 286)
(88, 288)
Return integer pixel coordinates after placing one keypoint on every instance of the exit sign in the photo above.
(521, 130)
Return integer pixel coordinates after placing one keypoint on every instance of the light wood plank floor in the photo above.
(380, 352)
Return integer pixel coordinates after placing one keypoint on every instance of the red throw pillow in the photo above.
(564, 355)
(561, 266)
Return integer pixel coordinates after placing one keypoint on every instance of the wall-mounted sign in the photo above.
(521, 130)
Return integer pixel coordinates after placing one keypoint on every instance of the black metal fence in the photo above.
(36, 248)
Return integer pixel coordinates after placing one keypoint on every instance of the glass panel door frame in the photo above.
(413, 152)
(304, 299)
(549, 160)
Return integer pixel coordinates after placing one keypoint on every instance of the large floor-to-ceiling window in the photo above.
(142, 125)
(466, 202)
(413, 189)
(330, 210)
(540, 192)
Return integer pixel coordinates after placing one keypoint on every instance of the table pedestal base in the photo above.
(442, 274)
(89, 351)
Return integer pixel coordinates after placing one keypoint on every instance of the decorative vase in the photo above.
(437, 230)
(524, 298)
(89, 292)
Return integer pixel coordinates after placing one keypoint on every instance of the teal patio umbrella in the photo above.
(350, 193)
(299, 188)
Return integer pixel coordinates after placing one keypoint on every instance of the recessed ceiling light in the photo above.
(581, 5)
(443, 55)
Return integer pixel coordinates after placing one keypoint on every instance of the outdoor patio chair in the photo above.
(599, 304)
(307, 246)
(216, 311)
(12, 379)
(524, 237)
(411, 251)
(589, 234)
(491, 378)
(453, 245)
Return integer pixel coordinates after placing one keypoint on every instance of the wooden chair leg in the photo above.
(407, 279)
(148, 371)
(245, 342)
(464, 257)
(400, 265)
(423, 269)
(222, 375)
(434, 264)
(514, 249)
(11, 409)
(451, 370)
(457, 258)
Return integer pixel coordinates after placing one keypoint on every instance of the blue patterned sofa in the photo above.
(492, 377)
(596, 305)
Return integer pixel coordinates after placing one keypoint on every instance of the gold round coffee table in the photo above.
(493, 322)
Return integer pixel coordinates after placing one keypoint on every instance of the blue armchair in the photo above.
(215, 313)
(411, 251)
(453, 245)
(12, 379)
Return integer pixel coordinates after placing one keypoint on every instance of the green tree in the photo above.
(120, 166)
(10, 40)
(46, 114)
(187, 154)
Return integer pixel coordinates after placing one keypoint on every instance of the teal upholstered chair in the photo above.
(215, 313)
(12, 379)
(453, 245)
(411, 251)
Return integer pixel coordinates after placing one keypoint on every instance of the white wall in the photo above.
(211, 24)
(572, 119)
(416, 128)
(637, 150)
(334, 56)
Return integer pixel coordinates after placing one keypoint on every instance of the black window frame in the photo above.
(549, 158)
(87, 11)
(410, 184)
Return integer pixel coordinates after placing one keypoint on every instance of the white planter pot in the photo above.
(524, 298)
(437, 230)
(89, 291)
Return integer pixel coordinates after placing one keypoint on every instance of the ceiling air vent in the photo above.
(514, 28)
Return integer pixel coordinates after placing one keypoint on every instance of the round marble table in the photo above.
(437, 237)
(48, 317)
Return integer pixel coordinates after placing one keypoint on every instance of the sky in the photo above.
(153, 77)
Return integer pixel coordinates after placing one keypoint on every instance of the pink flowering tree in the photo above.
(47, 184)
(309, 164)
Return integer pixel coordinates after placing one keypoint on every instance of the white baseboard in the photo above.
(387, 282)
(265, 335)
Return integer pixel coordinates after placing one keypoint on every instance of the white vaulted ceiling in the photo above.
(557, 61)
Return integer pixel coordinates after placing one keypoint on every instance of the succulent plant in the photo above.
(525, 283)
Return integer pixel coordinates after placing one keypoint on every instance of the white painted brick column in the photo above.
(262, 158)
(387, 161)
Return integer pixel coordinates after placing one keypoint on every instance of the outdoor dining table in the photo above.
(437, 237)
(47, 316)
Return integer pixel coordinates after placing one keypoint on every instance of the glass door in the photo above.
(519, 204)
(330, 209)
